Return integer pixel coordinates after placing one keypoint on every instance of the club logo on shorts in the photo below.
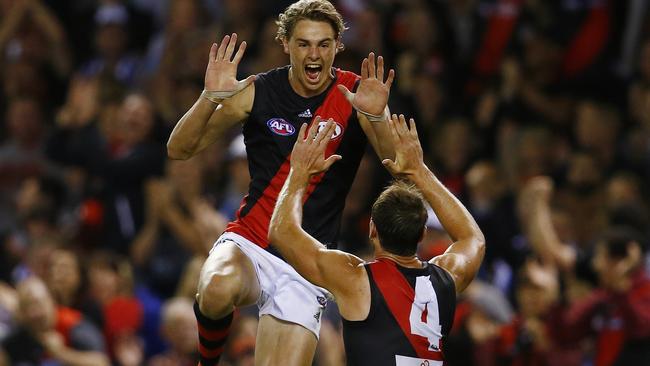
(338, 130)
(322, 301)
(280, 127)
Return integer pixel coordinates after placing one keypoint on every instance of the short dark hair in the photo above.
(399, 216)
(317, 10)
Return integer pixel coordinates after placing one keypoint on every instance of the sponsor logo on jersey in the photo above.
(280, 127)
(305, 114)
(338, 130)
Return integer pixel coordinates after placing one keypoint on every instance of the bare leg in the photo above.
(283, 343)
(227, 280)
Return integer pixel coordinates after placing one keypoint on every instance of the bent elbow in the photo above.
(480, 244)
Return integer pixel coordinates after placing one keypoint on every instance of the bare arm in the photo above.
(535, 201)
(371, 103)
(338, 272)
(463, 258)
(224, 103)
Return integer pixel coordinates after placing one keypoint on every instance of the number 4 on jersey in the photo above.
(424, 318)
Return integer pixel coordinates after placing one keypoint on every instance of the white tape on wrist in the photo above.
(373, 117)
(217, 96)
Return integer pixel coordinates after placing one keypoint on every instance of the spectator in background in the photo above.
(615, 315)
(21, 154)
(117, 165)
(171, 234)
(111, 286)
(50, 332)
(179, 329)
(112, 56)
(237, 186)
(33, 45)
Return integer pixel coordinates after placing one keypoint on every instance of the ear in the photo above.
(372, 232)
(424, 232)
(339, 45)
(285, 45)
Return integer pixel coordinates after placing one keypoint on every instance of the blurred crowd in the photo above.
(535, 113)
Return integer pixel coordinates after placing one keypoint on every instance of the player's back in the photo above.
(270, 133)
(411, 310)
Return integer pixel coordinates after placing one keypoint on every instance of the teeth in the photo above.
(313, 67)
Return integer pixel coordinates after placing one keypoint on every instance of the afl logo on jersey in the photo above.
(280, 127)
(338, 130)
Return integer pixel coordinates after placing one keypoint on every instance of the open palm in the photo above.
(372, 94)
(221, 73)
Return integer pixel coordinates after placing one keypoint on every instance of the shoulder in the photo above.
(346, 77)
(274, 75)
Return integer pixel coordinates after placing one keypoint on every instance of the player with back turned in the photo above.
(242, 269)
(396, 309)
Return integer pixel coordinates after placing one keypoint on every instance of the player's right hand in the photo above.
(221, 73)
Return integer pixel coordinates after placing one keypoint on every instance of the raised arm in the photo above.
(463, 258)
(536, 211)
(338, 272)
(224, 102)
(371, 103)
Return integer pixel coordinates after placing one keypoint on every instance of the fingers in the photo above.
(213, 52)
(325, 134)
(371, 65)
(303, 129)
(313, 130)
(231, 47)
(390, 165)
(391, 77)
(331, 160)
(346, 92)
(246, 82)
(364, 68)
(412, 128)
(240, 53)
(392, 128)
(380, 68)
(222, 48)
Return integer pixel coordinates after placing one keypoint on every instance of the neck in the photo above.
(410, 261)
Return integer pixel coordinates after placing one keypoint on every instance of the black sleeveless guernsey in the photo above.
(269, 134)
(411, 311)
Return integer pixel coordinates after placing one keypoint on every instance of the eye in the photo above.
(302, 45)
(325, 45)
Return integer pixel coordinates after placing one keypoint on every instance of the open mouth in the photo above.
(313, 72)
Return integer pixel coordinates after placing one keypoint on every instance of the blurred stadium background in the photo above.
(502, 91)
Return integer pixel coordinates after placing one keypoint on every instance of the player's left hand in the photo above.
(372, 94)
(308, 155)
(408, 152)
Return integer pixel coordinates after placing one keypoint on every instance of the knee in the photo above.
(217, 293)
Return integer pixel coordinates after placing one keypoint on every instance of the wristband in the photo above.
(217, 96)
(373, 117)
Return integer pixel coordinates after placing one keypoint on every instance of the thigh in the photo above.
(228, 279)
(283, 343)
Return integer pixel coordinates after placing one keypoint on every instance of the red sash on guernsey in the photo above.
(255, 225)
(399, 296)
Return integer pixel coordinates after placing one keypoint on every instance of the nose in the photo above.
(314, 53)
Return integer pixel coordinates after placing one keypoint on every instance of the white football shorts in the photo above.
(285, 294)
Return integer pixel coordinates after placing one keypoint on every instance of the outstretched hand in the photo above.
(221, 73)
(308, 155)
(372, 94)
(408, 152)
